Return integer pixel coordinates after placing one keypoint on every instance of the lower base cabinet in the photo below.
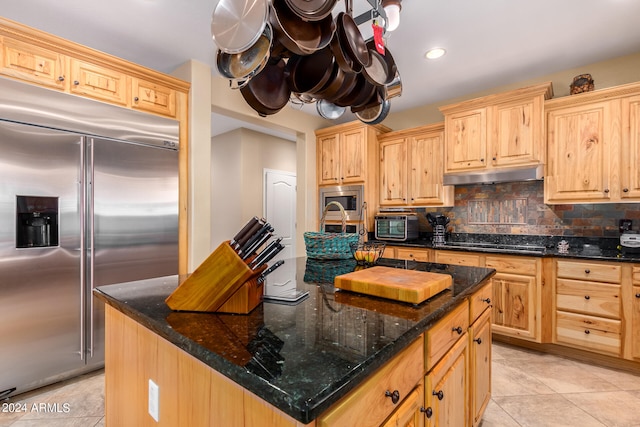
(445, 389)
(480, 366)
(409, 414)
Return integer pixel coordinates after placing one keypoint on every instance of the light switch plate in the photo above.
(154, 392)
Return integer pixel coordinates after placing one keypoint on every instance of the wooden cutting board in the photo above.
(394, 283)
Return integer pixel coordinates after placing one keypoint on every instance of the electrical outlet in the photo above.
(154, 392)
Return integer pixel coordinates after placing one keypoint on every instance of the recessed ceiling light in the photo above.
(435, 53)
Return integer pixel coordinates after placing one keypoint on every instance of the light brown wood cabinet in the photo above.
(592, 147)
(517, 293)
(347, 154)
(411, 168)
(479, 366)
(33, 64)
(588, 306)
(372, 402)
(409, 253)
(497, 131)
(409, 414)
(446, 388)
(153, 98)
(98, 82)
(635, 316)
(630, 163)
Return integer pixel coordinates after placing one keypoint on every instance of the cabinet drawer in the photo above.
(597, 299)
(589, 271)
(413, 254)
(588, 332)
(636, 276)
(33, 64)
(516, 265)
(441, 337)
(368, 403)
(479, 302)
(153, 98)
(98, 82)
(457, 258)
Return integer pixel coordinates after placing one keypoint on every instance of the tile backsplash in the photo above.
(518, 208)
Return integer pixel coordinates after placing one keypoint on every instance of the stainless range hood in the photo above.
(496, 176)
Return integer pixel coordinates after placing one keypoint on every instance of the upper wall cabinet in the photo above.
(593, 143)
(347, 154)
(411, 168)
(39, 58)
(496, 131)
(33, 64)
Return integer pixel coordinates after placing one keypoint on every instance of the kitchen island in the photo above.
(313, 363)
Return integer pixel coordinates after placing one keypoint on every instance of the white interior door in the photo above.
(280, 209)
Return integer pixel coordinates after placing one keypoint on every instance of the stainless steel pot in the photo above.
(240, 67)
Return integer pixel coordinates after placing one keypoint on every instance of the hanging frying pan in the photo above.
(237, 24)
(310, 73)
(298, 36)
(354, 45)
(267, 92)
(376, 113)
(311, 10)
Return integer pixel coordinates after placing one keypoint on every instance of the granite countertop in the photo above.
(596, 249)
(300, 358)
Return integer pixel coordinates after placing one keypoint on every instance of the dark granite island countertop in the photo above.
(299, 358)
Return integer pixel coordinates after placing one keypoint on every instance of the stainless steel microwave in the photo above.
(351, 197)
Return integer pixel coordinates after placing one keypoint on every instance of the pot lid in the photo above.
(311, 10)
(329, 110)
(237, 24)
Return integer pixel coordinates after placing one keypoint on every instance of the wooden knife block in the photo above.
(223, 283)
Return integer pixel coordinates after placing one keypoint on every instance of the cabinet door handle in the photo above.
(637, 295)
(478, 340)
(587, 297)
(61, 78)
(395, 396)
(458, 330)
(626, 190)
(587, 271)
(438, 394)
(428, 412)
(136, 99)
(487, 300)
(75, 82)
(586, 331)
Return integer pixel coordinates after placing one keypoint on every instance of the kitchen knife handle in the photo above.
(244, 230)
(247, 236)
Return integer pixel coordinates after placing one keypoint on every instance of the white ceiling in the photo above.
(489, 43)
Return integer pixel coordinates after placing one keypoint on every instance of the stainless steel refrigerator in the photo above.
(88, 197)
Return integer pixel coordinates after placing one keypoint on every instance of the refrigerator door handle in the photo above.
(91, 246)
(83, 246)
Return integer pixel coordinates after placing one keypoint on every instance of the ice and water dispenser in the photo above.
(36, 222)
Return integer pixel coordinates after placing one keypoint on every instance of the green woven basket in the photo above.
(322, 245)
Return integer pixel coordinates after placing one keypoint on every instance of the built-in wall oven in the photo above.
(351, 197)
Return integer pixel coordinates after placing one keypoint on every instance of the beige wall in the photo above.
(238, 160)
(605, 74)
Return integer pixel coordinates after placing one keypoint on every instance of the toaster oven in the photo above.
(396, 227)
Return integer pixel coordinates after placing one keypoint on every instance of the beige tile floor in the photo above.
(530, 389)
